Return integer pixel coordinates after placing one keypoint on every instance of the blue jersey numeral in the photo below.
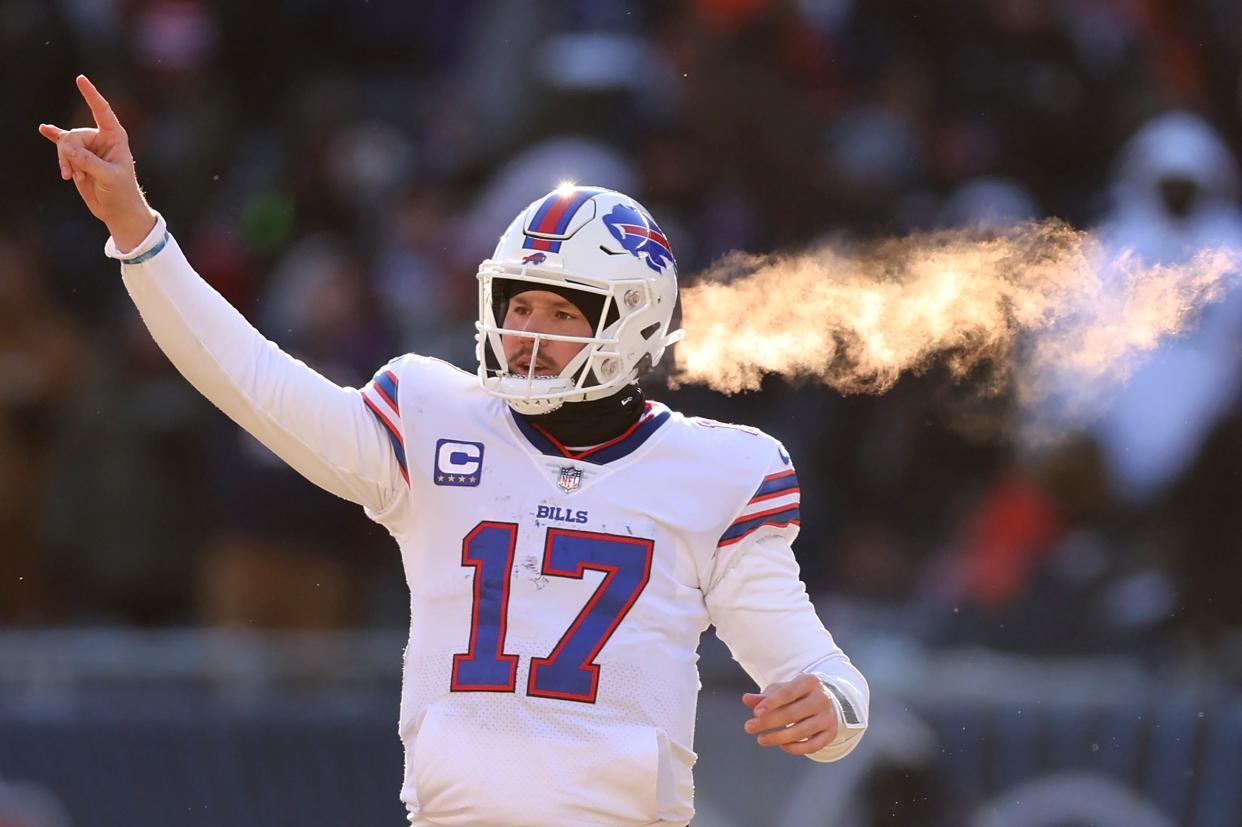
(569, 671)
(485, 667)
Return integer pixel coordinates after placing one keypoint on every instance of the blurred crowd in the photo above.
(338, 168)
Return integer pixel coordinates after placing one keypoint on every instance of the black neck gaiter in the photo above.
(578, 424)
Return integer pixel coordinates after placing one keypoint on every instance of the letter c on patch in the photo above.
(458, 462)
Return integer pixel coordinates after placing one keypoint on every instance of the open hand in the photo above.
(100, 164)
(798, 716)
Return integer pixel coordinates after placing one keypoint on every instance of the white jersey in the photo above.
(556, 597)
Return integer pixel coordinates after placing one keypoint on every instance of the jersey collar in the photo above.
(654, 416)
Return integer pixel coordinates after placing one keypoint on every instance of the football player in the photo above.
(565, 541)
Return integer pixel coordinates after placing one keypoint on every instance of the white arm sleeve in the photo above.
(322, 430)
(761, 611)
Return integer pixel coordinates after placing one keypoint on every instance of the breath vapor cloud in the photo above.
(1049, 313)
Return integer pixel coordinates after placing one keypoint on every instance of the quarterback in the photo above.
(565, 541)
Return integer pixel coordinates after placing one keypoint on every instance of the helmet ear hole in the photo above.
(650, 330)
(608, 369)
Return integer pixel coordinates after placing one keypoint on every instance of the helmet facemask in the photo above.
(599, 369)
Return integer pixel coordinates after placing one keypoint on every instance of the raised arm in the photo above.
(322, 430)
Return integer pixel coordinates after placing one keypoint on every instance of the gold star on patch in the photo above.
(473, 480)
(440, 478)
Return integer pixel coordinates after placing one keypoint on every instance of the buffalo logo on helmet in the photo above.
(640, 236)
(535, 258)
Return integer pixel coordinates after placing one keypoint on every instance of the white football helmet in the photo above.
(592, 240)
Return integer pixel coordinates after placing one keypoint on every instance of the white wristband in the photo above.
(847, 714)
(150, 246)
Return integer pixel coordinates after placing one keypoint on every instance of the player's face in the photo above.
(541, 311)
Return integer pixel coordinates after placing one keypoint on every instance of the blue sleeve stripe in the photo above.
(387, 386)
(394, 436)
(776, 483)
(150, 254)
(777, 517)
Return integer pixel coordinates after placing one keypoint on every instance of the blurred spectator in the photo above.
(122, 512)
(40, 362)
(1201, 534)
(425, 291)
(1175, 194)
(283, 554)
(874, 152)
(27, 805)
(988, 203)
(1037, 566)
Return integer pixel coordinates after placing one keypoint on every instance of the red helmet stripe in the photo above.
(555, 212)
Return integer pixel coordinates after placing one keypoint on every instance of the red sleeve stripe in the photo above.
(782, 515)
(746, 518)
(383, 394)
(774, 494)
(747, 529)
(386, 385)
(394, 437)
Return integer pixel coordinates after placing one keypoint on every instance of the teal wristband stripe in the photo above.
(149, 254)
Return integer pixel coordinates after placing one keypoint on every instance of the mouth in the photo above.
(542, 369)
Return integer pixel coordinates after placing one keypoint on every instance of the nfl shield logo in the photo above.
(570, 479)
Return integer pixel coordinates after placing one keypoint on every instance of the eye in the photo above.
(565, 316)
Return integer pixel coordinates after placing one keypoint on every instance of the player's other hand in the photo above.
(99, 163)
(797, 716)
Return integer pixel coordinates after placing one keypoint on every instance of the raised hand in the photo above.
(797, 716)
(101, 166)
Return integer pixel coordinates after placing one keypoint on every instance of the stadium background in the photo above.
(192, 635)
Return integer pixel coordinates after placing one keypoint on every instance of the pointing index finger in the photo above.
(105, 118)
